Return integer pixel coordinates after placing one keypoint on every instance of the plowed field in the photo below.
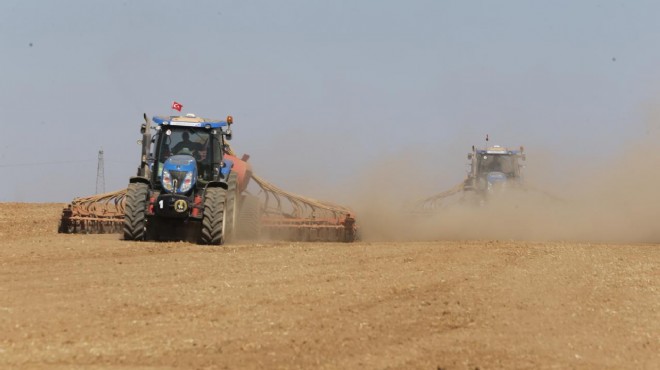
(95, 301)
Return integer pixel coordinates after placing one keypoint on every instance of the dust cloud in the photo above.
(616, 201)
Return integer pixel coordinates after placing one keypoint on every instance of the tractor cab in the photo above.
(494, 167)
(187, 151)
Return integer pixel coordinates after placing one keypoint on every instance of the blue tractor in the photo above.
(185, 188)
(494, 169)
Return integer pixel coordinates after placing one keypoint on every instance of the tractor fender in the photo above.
(139, 179)
(217, 184)
(227, 165)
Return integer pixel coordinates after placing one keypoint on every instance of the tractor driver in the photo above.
(495, 164)
(186, 143)
(500, 163)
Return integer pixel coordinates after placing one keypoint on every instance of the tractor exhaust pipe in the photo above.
(145, 130)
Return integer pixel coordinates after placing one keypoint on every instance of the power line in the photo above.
(43, 163)
(64, 162)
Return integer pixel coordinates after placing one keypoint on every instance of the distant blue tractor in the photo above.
(494, 169)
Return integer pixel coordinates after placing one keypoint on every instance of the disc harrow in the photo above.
(96, 214)
(295, 217)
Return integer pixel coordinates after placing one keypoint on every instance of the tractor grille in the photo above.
(178, 176)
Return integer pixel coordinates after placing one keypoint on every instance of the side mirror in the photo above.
(228, 134)
(524, 157)
(469, 156)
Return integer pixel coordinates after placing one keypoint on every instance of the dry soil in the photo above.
(95, 301)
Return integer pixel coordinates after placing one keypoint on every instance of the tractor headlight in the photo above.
(187, 182)
(167, 181)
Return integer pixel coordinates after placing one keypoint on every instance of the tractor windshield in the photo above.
(498, 163)
(202, 144)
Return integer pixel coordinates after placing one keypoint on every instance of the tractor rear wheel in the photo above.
(231, 206)
(249, 218)
(135, 220)
(213, 221)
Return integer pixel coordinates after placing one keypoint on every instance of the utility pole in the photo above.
(100, 177)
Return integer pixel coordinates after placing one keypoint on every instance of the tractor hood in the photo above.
(179, 174)
(495, 177)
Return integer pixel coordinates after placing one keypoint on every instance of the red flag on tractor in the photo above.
(177, 106)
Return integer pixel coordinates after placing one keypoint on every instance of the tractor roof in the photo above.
(189, 120)
(496, 149)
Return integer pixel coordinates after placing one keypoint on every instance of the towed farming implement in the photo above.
(99, 214)
(191, 186)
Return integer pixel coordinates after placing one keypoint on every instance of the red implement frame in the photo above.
(97, 214)
(294, 217)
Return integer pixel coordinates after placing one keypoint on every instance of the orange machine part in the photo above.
(243, 169)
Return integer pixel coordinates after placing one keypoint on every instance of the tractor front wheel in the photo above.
(213, 221)
(135, 219)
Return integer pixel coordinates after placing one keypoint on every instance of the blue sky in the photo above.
(321, 91)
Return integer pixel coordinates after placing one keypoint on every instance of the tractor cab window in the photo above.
(163, 151)
(178, 141)
(187, 141)
(211, 157)
(181, 140)
(497, 163)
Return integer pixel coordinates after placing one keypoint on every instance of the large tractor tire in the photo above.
(249, 218)
(213, 222)
(231, 207)
(135, 219)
